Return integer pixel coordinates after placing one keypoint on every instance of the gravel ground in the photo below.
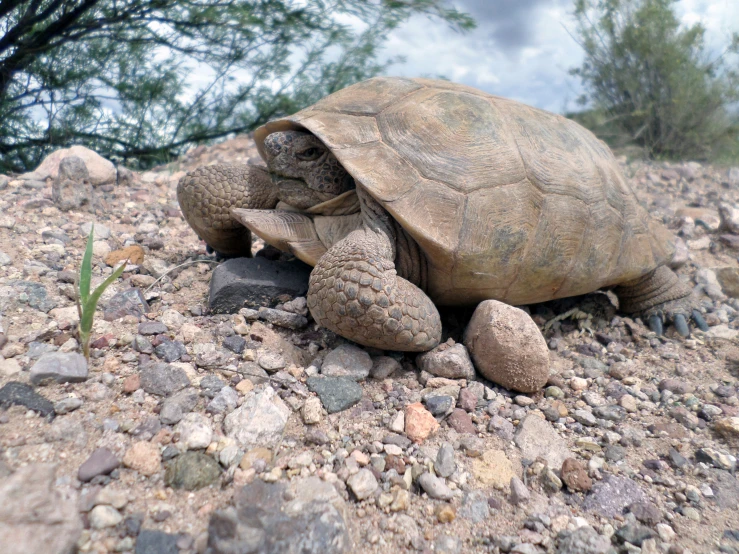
(259, 432)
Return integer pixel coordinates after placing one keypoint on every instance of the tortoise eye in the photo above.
(309, 154)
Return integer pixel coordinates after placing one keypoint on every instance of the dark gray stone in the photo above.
(152, 328)
(211, 385)
(281, 318)
(634, 533)
(646, 512)
(163, 379)
(336, 393)
(192, 471)
(146, 430)
(142, 345)
(584, 540)
(20, 394)
(38, 349)
(611, 413)
(176, 406)
(101, 462)
(62, 367)
(615, 453)
(170, 350)
(156, 542)
(347, 360)
(677, 460)
(725, 489)
(445, 465)
(224, 402)
(35, 295)
(439, 405)
(126, 302)
(255, 282)
(612, 495)
(262, 521)
(234, 343)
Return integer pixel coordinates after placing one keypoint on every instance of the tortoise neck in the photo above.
(410, 261)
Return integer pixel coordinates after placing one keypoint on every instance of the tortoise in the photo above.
(404, 194)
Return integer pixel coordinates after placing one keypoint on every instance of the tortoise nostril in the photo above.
(272, 146)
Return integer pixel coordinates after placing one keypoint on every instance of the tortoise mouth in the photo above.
(296, 192)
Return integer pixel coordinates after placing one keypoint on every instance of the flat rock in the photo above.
(536, 438)
(347, 360)
(61, 367)
(34, 517)
(126, 302)
(150, 541)
(20, 394)
(493, 468)
(101, 462)
(195, 431)
(192, 471)
(447, 360)
(163, 379)
(176, 406)
(363, 483)
(263, 521)
(259, 421)
(435, 487)
(255, 282)
(336, 393)
(611, 495)
(460, 421)
(419, 423)
(507, 347)
(383, 367)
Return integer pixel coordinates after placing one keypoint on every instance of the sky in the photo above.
(522, 49)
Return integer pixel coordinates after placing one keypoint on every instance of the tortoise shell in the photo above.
(507, 201)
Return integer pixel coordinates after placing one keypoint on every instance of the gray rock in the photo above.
(383, 367)
(475, 507)
(38, 349)
(101, 231)
(255, 282)
(126, 302)
(152, 328)
(347, 360)
(170, 350)
(611, 495)
(142, 345)
(176, 406)
(519, 492)
(66, 405)
(362, 484)
(284, 319)
(634, 533)
(71, 189)
(234, 343)
(163, 379)
(452, 362)
(584, 540)
(150, 541)
(101, 462)
(610, 412)
(439, 405)
(536, 437)
(259, 421)
(224, 402)
(69, 367)
(336, 393)
(34, 517)
(446, 544)
(263, 521)
(445, 464)
(502, 427)
(585, 417)
(435, 487)
(35, 295)
(211, 385)
(192, 471)
(20, 394)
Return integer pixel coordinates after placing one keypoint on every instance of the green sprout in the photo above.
(86, 302)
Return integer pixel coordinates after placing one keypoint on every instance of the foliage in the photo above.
(142, 80)
(652, 78)
(86, 302)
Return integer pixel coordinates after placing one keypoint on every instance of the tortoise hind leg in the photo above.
(659, 297)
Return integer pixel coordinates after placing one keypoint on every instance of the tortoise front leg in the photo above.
(355, 291)
(207, 194)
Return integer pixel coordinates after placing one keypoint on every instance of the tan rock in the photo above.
(101, 171)
(258, 453)
(575, 476)
(143, 457)
(134, 254)
(728, 428)
(728, 278)
(507, 347)
(493, 468)
(419, 423)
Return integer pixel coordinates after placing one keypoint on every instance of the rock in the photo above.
(507, 347)
(475, 507)
(133, 254)
(255, 282)
(502, 427)
(20, 394)
(439, 405)
(192, 471)
(211, 385)
(729, 429)
(170, 350)
(447, 544)
(163, 379)
(60, 367)
(435, 487)
(67, 405)
(575, 476)
(585, 417)
(383, 367)
(347, 360)
(150, 541)
(646, 512)
(493, 468)
(281, 318)
(176, 406)
(101, 462)
(728, 278)
(583, 540)
(234, 343)
(100, 170)
(336, 393)
(419, 423)
(152, 328)
(71, 188)
(34, 517)
(195, 431)
(37, 297)
(519, 493)
(127, 302)
(143, 457)
(450, 361)
(224, 402)
(634, 533)
(676, 386)
(362, 484)
(729, 217)
(271, 362)
(445, 465)
(611, 495)
(460, 421)
(259, 421)
(312, 411)
(536, 438)
(103, 516)
(263, 521)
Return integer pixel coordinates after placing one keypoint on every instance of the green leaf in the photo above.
(86, 268)
(92, 301)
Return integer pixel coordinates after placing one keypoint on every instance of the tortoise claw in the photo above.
(699, 321)
(681, 325)
(655, 324)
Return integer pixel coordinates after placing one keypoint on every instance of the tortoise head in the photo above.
(303, 169)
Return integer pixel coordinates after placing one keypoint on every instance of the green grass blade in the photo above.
(86, 269)
(92, 301)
